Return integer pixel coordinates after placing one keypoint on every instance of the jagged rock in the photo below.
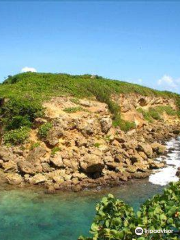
(53, 136)
(38, 178)
(36, 154)
(14, 178)
(6, 154)
(91, 163)
(26, 167)
(80, 141)
(146, 148)
(106, 124)
(58, 179)
(158, 148)
(56, 160)
(10, 166)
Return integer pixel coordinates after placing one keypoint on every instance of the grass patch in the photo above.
(55, 150)
(73, 109)
(17, 136)
(155, 113)
(124, 125)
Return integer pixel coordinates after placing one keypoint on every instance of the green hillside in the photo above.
(26, 92)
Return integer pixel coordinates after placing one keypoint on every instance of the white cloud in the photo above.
(167, 81)
(28, 69)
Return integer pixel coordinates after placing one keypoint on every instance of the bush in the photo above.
(44, 129)
(116, 220)
(17, 113)
(17, 136)
(124, 125)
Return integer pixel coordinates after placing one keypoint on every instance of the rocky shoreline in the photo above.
(84, 150)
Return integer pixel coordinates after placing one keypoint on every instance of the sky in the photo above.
(137, 42)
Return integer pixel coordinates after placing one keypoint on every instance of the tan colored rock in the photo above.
(53, 136)
(38, 178)
(56, 160)
(158, 148)
(36, 154)
(91, 163)
(6, 154)
(10, 166)
(106, 124)
(26, 167)
(14, 178)
(146, 148)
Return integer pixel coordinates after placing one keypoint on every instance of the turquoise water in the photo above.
(27, 214)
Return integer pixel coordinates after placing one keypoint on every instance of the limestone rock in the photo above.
(106, 124)
(38, 178)
(91, 163)
(14, 178)
(56, 160)
(158, 148)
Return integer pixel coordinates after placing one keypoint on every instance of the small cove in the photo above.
(30, 214)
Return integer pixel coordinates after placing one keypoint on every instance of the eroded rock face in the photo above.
(91, 163)
(91, 152)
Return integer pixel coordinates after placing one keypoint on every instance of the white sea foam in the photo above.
(168, 174)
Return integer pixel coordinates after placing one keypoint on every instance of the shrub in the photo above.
(44, 129)
(17, 113)
(124, 125)
(115, 220)
(16, 136)
(17, 122)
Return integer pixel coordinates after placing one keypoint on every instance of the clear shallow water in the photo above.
(32, 215)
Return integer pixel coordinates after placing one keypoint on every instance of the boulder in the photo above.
(106, 124)
(146, 148)
(158, 148)
(26, 167)
(10, 166)
(14, 178)
(6, 154)
(56, 160)
(53, 136)
(36, 154)
(91, 163)
(38, 178)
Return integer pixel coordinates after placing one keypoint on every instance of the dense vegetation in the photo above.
(116, 220)
(26, 92)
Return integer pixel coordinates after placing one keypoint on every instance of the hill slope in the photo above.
(73, 132)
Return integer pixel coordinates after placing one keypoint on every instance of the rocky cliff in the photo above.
(76, 145)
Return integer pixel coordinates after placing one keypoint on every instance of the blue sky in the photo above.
(131, 41)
